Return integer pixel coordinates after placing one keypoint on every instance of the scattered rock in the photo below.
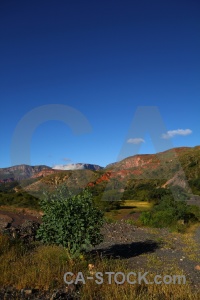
(71, 288)
(10, 293)
(26, 231)
(65, 294)
(5, 222)
(28, 292)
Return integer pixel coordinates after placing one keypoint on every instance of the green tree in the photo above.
(70, 220)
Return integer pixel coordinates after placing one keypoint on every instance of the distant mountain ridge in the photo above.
(78, 166)
(20, 172)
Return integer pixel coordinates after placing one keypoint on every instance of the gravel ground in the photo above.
(152, 249)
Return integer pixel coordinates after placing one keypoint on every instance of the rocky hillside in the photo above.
(76, 179)
(164, 165)
(154, 161)
(45, 172)
(178, 166)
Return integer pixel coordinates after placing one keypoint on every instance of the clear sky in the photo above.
(104, 59)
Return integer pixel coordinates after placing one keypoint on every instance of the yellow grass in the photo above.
(43, 267)
(138, 205)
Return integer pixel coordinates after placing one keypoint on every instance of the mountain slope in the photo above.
(162, 165)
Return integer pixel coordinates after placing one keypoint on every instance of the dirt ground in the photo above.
(16, 217)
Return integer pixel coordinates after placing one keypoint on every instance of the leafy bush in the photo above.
(163, 218)
(70, 220)
(169, 212)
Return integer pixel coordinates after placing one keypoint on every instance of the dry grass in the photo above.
(43, 267)
(138, 205)
(25, 210)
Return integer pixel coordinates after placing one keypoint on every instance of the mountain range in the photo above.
(21, 172)
(177, 166)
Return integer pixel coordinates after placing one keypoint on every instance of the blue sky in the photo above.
(104, 59)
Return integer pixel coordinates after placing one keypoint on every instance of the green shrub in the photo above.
(169, 212)
(145, 218)
(70, 221)
(163, 218)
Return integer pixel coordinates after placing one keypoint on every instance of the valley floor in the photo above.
(157, 251)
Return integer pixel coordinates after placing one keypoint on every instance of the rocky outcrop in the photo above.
(45, 172)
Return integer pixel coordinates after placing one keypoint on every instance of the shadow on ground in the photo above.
(127, 250)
